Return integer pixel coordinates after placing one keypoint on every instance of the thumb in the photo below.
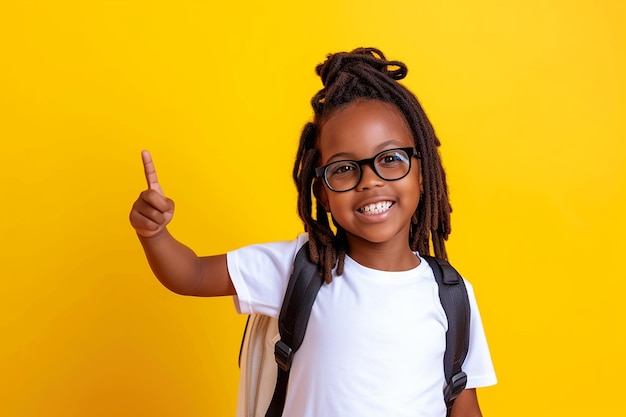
(150, 172)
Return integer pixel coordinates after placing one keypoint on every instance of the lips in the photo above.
(375, 208)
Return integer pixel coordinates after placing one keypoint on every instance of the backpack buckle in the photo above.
(455, 387)
(283, 355)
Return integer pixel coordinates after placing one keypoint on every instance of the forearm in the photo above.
(175, 265)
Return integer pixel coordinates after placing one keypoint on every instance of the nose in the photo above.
(369, 178)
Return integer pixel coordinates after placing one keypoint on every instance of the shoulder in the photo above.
(260, 273)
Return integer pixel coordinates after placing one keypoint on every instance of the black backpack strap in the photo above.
(304, 284)
(453, 296)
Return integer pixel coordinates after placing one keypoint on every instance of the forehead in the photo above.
(362, 128)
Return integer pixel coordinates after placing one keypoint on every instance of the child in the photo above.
(376, 336)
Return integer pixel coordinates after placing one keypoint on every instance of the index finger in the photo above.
(150, 172)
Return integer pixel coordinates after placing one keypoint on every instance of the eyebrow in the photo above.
(379, 148)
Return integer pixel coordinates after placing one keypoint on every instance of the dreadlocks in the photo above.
(365, 74)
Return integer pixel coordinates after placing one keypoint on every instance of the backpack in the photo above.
(269, 344)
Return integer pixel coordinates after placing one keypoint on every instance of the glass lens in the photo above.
(392, 164)
(343, 175)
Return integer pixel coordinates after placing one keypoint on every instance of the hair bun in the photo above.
(356, 62)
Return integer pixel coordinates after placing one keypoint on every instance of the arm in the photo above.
(466, 405)
(174, 264)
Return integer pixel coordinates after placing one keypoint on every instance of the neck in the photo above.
(385, 256)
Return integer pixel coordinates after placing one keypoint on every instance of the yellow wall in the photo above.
(528, 98)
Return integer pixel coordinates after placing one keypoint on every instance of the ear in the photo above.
(320, 193)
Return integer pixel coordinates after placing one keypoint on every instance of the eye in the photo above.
(341, 168)
(392, 158)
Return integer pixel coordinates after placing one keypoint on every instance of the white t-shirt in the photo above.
(375, 340)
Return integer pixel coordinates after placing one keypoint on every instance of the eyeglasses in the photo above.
(345, 175)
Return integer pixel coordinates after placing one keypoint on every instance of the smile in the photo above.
(375, 208)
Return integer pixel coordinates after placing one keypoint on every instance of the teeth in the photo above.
(376, 208)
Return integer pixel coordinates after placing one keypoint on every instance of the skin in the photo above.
(466, 405)
(356, 131)
(174, 264)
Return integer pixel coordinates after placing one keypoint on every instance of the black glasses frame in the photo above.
(320, 172)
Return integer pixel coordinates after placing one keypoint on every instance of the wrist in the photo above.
(151, 237)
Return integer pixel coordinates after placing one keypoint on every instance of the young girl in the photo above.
(376, 336)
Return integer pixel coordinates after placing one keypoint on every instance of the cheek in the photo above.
(340, 206)
(414, 188)
(321, 194)
(335, 201)
(414, 178)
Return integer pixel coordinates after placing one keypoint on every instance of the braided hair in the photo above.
(365, 74)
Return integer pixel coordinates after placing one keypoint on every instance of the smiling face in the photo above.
(376, 211)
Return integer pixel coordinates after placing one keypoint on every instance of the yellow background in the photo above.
(528, 98)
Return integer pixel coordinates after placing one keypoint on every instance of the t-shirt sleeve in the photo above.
(478, 365)
(260, 274)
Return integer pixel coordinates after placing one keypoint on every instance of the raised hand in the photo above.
(152, 211)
